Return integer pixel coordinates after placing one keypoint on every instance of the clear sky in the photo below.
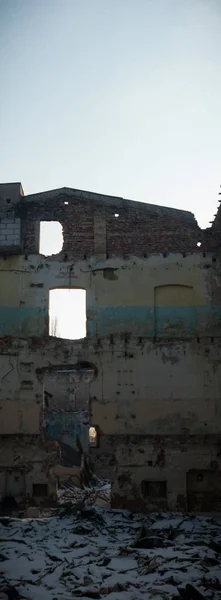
(115, 96)
(121, 97)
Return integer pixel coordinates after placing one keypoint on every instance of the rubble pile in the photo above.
(81, 551)
(99, 495)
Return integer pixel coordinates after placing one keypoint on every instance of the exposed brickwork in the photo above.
(99, 225)
(137, 231)
(75, 218)
(153, 339)
(10, 231)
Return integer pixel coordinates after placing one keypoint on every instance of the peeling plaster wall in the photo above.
(121, 295)
(171, 459)
(153, 334)
(147, 396)
(66, 426)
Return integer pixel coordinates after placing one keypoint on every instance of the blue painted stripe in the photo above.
(149, 321)
(146, 321)
(23, 321)
(107, 320)
(176, 319)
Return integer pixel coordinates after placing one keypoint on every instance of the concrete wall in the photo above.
(174, 296)
(147, 397)
(153, 340)
(187, 465)
(66, 426)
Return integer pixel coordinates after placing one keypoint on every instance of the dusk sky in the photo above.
(120, 97)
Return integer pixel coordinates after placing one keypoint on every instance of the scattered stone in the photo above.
(3, 557)
(211, 584)
(150, 543)
(216, 547)
(88, 580)
(191, 593)
(33, 512)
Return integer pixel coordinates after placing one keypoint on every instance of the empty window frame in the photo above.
(51, 238)
(93, 437)
(67, 313)
(154, 489)
(40, 490)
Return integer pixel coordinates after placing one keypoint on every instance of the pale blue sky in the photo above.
(115, 96)
(120, 97)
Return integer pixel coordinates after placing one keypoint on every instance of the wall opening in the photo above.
(67, 313)
(93, 437)
(40, 490)
(203, 490)
(51, 238)
(154, 489)
(66, 391)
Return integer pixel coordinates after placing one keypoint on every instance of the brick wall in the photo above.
(137, 231)
(97, 226)
(75, 218)
(10, 231)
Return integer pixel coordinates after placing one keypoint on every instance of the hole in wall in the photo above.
(66, 202)
(154, 489)
(93, 437)
(8, 200)
(199, 244)
(8, 505)
(67, 313)
(40, 490)
(116, 215)
(51, 238)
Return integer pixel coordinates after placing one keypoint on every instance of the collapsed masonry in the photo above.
(153, 347)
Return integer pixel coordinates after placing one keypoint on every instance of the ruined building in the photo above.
(147, 371)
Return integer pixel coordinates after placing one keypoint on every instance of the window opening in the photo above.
(40, 490)
(67, 313)
(51, 238)
(154, 489)
(93, 437)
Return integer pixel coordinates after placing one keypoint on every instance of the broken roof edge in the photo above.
(114, 201)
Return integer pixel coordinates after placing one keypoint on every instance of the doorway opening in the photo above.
(67, 313)
(66, 397)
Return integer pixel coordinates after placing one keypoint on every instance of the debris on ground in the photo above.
(99, 495)
(90, 552)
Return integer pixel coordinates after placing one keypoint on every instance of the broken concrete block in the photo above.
(33, 512)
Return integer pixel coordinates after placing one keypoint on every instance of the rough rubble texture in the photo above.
(97, 553)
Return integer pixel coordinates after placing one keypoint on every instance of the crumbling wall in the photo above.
(121, 295)
(153, 336)
(161, 412)
(98, 225)
(179, 472)
(66, 406)
(67, 426)
(10, 223)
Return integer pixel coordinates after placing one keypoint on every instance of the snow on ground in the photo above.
(100, 553)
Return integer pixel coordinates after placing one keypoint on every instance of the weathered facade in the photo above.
(153, 349)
